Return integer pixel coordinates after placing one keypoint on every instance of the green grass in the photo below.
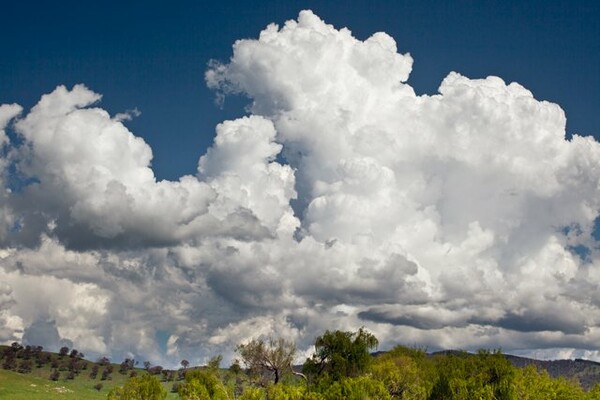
(28, 386)
(36, 385)
(16, 386)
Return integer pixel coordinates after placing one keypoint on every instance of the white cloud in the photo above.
(446, 220)
(7, 113)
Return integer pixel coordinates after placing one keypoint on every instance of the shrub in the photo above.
(54, 375)
(145, 387)
(201, 384)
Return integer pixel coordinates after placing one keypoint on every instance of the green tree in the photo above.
(268, 356)
(356, 388)
(407, 374)
(215, 362)
(341, 354)
(203, 385)
(145, 387)
(485, 376)
(594, 393)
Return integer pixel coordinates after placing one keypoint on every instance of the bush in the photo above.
(359, 388)
(203, 384)
(145, 387)
(54, 375)
(252, 393)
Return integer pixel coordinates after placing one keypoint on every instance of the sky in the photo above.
(178, 180)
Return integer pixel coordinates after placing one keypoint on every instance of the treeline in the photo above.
(342, 367)
(24, 359)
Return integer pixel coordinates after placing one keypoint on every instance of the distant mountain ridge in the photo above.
(586, 372)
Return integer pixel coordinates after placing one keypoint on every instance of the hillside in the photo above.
(74, 377)
(586, 372)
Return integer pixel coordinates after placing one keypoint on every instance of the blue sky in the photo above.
(410, 174)
(152, 56)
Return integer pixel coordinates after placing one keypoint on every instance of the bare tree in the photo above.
(268, 356)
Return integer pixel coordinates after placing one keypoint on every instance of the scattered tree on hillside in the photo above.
(106, 373)
(126, 365)
(63, 351)
(94, 372)
(26, 353)
(102, 361)
(54, 375)
(16, 347)
(10, 361)
(25, 367)
(156, 370)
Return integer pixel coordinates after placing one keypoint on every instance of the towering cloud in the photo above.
(457, 220)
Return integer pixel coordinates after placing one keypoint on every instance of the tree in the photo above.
(235, 367)
(145, 387)
(203, 384)
(156, 370)
(54, 375)
(407, 373)
(268, 356)
(63, 351)
(106, 373)
(126, 365)
(341, 354)
(16, 347)
(103, 361)
(185, 364)
(486, 376)
(215, 362)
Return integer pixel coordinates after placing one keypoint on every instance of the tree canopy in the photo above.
(273, 356)
(341, 354)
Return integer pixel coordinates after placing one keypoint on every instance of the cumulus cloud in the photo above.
(460, 219)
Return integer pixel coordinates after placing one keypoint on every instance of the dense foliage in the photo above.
(145, 387)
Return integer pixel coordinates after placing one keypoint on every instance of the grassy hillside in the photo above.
(16, 386)
(37, 384)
